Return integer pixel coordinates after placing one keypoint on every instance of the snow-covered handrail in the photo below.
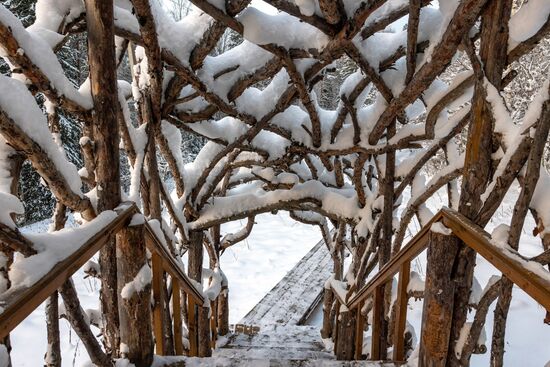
(527, 274)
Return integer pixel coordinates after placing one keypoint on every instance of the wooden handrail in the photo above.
(171, 265)
(506, 260)
(19, 302)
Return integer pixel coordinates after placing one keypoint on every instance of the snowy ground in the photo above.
(276, 244)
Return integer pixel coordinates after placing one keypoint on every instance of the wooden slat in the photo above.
(171, 265)
(20, 302)
(158, 303)
(401, 312)
(176, 310)
(511, 266)
(377, 310)
(410, 251)
(359, 326)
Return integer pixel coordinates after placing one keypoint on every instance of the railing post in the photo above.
(401, 313)
(158, 303)
(336, 317)
(176, 310)
(213, 322)
(360, 325)
(192, 327)
(377, 314)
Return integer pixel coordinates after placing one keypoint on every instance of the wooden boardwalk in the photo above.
(293, 299)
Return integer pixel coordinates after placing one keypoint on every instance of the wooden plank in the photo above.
(410, 251)
(513, 267)
(401, 312)
(192, 327)
(171, 265)
(158, 303)
(176, 311)
(359, 326)
(20, 302)
(377, 310)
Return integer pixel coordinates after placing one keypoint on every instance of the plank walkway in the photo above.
(293, 299)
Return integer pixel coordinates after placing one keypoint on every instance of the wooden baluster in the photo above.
(360, 325)
(192, 327)
(401, 313)
(158, 303)
(378, 305)
(176, 309)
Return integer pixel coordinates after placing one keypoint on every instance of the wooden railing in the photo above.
(510, 263)
(19, 302)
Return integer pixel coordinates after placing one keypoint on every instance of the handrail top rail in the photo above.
(20, 301)
(507, 261)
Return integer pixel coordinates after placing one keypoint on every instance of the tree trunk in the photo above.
(135, 308)
(102, 61)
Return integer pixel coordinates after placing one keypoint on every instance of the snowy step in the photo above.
(250, 362)
(293, 298)
(277, 342)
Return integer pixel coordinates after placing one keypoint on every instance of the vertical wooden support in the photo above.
(335, 331)
(176, 311)
(359, 326)
(213, 322)
(158, 305)
(401, 313)
(377, 314)
(134, 309)
(205, 349)
(192, 327)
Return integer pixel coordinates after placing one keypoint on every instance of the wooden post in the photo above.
(326, 331)
(223, 311)
(213, 322)
(335, 333)
(135, 308)
(176, 311)
(158, 304)
(192, 327)
(359, 327)
(438, 301)
(103, 81)
(378, 306)
(401, 313)
(205, 348)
